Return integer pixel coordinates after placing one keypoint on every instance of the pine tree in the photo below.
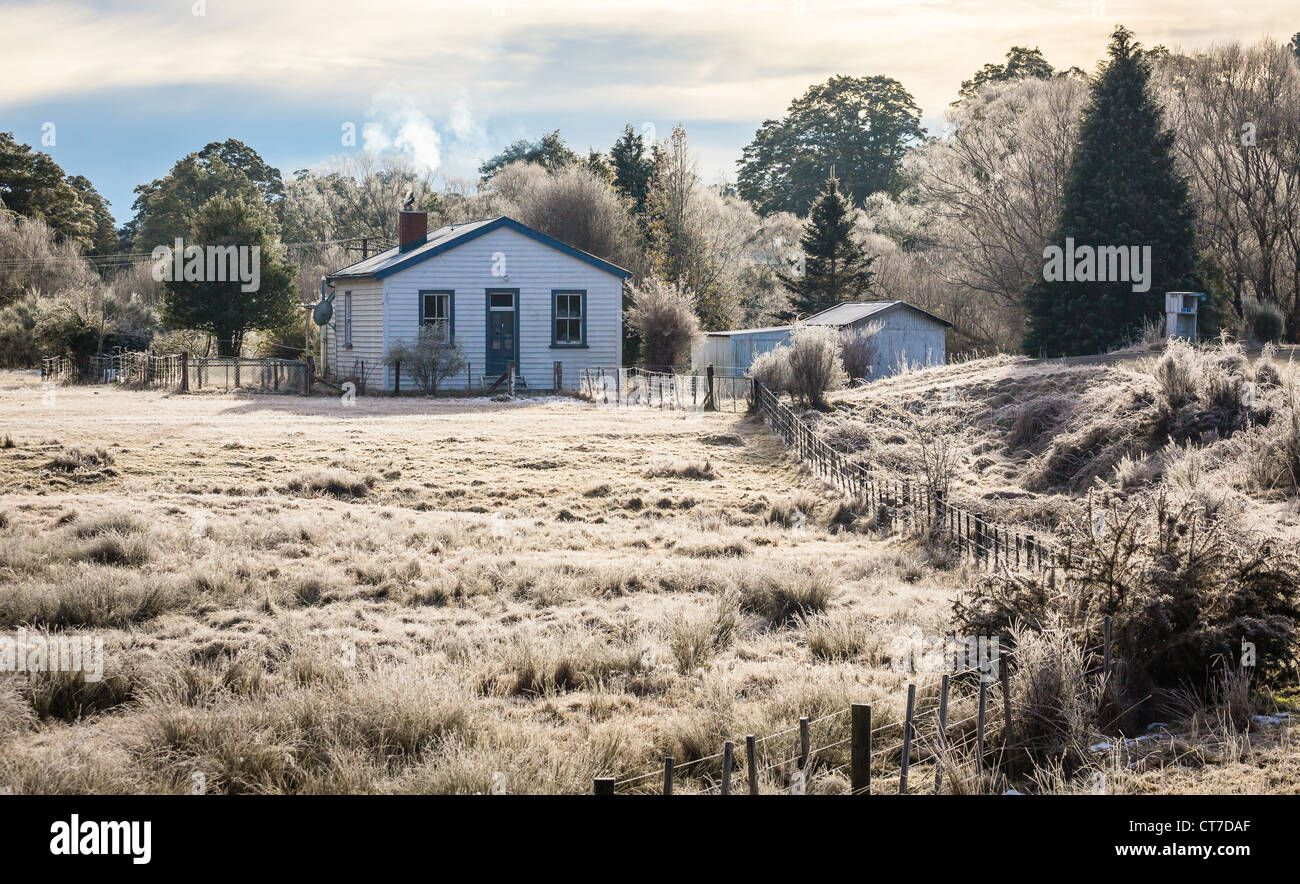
(632, 168)
(835, 267)
(1122, 190)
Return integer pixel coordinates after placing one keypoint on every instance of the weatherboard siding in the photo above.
(367, 330)
(533, 268)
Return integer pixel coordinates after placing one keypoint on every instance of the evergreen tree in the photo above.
(632, 168)
(1122, 190)
(33, 185)
(1021, 64)
(865, 125)
(222, 308)
(550, 152)
(835, 266)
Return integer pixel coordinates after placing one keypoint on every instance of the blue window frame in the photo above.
(438, 309)
(568, 318)
(347, 320)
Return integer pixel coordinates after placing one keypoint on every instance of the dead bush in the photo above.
(772, 370)
(816, 366)
(859, 349)
(1183, 588)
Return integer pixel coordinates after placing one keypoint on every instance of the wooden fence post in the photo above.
(397, 377)
(728, 757)
(710, 404)
(510, 378)
(559, 376)
(804, 743)
(860, 753)
(979, 735)
(944, 684)
(1008, 739)
(751, 761)
(907, 739)
(668, 775)
(1105, 665)
(602, 786)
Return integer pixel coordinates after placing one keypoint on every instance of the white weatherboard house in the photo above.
(907, 334)
(505, 292)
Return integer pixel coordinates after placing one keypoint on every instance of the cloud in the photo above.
(718, 59)
(395, 124)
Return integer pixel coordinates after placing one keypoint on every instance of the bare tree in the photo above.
(993, 186)
(1236, 112)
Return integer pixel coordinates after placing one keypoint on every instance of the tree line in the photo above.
(844, 197)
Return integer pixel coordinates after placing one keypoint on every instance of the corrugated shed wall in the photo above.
(908, 337)
(904, 336)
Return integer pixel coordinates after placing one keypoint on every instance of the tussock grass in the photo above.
(75, 459)
(694, 640)
(334, 482)
(435, 633)
(841, 635)
(701, 470)
(780, 594)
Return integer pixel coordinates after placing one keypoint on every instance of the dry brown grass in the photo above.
(547, 592)
(530, 594)
(1029, 438)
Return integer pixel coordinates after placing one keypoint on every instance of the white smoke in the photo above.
(463, 125)
(397, 124)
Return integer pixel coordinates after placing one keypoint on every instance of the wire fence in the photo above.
(137, 369)
(667, 391)
(916, 752)
(182, 372)
(844, 742)
(912, 502)
(229, 375)
(58, 369)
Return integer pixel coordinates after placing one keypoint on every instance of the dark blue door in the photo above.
(501, 332)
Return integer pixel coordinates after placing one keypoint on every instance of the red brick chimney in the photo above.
(412, 229)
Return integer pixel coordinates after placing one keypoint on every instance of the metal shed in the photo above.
(908, 335)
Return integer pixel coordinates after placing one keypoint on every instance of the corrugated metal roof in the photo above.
(852, 311)
(849, 312)
(751, 331)
(441, 239)
(438, 236)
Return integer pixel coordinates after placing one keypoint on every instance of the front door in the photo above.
(502, 335)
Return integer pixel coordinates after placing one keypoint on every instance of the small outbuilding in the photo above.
(908, 335)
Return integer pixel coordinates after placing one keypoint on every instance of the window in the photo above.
(436, 310)
(347, 320)
(569, 319)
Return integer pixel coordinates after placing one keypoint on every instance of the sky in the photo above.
(118, 91)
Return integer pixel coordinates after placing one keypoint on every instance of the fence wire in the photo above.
(666, 391)
(177, 371)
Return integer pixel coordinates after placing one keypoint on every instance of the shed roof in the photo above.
(443, 239)
(852, 311)
(751, 331)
